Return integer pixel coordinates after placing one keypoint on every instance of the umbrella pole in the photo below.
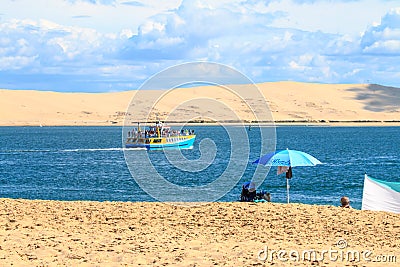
(287, 189)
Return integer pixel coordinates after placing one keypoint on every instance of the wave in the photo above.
(16, 151)
(369, 160)
(25, 151)
(91, 149)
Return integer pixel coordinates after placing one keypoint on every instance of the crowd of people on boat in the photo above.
(158, 131)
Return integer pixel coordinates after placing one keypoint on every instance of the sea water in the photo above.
(88, 163)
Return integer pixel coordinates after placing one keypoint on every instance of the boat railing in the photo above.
(155, 134)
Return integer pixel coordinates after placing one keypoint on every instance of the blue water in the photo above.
(87, 163)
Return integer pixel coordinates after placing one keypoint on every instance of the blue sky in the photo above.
(115, 45)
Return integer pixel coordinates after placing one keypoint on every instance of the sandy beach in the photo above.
(289, 103)
(50, 233)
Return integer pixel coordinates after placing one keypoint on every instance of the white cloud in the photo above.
(390, 47)
(102, 2)
(342, 16)
(267, 40)
(50, 43)
(15, 62)
(383, 38)
(105, 16)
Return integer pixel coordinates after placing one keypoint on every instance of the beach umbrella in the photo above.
(287, 158)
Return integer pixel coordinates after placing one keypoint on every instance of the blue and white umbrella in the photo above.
(288, 158)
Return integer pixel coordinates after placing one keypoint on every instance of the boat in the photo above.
(160, 137)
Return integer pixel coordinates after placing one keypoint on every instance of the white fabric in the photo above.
(377, 196)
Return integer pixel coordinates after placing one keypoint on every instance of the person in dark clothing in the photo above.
(248, 192)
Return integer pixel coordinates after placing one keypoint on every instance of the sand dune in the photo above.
(50, 233)
(287, 101)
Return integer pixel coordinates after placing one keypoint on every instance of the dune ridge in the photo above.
(289, 102)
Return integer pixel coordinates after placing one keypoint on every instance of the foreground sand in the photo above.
(338, 104)
(49, 233)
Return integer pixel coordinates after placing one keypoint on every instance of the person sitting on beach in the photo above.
(345, 201)
(245, 192)
(267, 197)
(248, 192)
(263, 196)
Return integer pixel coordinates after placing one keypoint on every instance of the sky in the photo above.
(116, 45)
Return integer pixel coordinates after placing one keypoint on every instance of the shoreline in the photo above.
(246, 124)
(185, 205)
(76, 233)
